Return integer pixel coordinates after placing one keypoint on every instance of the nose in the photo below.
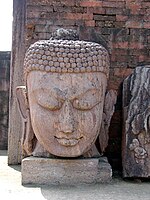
(66, 118)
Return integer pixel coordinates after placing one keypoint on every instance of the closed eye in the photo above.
(88, 100)
(46, 99)
(49, 103)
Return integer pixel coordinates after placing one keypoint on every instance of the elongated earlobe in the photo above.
(28, 139)
(109, 107)
(22, 101)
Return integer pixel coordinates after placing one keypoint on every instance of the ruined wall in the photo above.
(4, 93)
(123, 26)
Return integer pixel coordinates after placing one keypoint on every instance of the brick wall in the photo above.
(4, 92)
(123, 26)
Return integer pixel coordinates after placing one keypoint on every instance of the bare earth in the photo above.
(11, 188)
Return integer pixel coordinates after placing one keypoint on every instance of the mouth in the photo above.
(68, 142)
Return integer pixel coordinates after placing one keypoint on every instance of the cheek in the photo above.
(89, 121)
(42, 121)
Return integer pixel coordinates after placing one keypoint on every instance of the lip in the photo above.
(68, 142)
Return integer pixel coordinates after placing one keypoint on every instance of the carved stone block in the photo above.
(65, 171)
(136, 131)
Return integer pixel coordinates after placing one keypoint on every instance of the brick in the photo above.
(38, 3)
(122, 18)
(43, 28)
(41, 36)
(41, 13)
(145, 4)
(117, 0)
(120, 35)
(136, 34)
(121, 45)
(105, 17)
(61, 9)
(119, 64)
(51, 2)
(31, 22)
(134, 24)
(146, 25)
(114, 11)
(66, 2)
(69, 9)
(80, 23)
(114, 83)
(99, 23)
(78, 16)
(114, 4)
(78, 10)
(120, 51)
(35, 14)
(142, 11)
(134, 8)
(146, 18)
(120, 58)
(109, 24)
(65, 22)
(96, 10)
(142, 58)
(136, 45)
(88, 16)
(90, 23)
(134, 52)
(119, 24)
(148, 39)
(38, 9)
(107, 30)
(113, 58)
(91, 3)
(132, 62)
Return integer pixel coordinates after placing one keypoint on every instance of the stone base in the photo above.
(65, 171)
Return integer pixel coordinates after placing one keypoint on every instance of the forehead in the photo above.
(39, 79)
(68, 82)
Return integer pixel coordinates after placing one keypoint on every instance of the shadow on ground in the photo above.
(117, 189)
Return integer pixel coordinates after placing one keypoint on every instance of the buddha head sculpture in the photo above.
(63, 100)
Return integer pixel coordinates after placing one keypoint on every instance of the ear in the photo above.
(28, 138)
(109, 107)
(22, 101)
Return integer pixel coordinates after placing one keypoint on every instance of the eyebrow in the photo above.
(36, 91)
(47, 91)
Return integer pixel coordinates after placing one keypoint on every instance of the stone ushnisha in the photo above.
(64, 103)
(67, 56)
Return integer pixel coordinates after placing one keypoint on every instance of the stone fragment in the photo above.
(136, 131)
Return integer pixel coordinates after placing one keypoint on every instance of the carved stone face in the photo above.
(66, 110)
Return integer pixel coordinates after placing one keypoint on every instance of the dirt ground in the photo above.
(118, 189)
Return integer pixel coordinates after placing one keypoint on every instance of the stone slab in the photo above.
(39, 171)
(16, 79)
